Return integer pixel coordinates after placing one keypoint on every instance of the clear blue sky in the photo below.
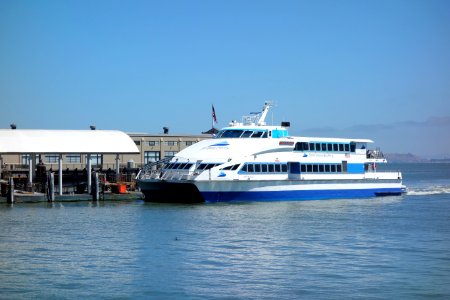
(369, 69)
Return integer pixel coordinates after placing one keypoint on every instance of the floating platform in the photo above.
(24, 197)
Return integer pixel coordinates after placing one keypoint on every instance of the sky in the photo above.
(358, 69)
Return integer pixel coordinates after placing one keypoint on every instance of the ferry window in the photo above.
(257, 134)
(317, 146)
(209, 166)
(330, 147)
(270, 168)
(341, 147)
(339, 168)
(231, 133)
(257, 168)
(347, 147)
(324, 147)
(270, 133)
(327, 168)
(251, 168)
(278, 168)
(264, 168)
(352, 147)
(309, 168)
(181, 166)
(303, 168)
(235, 167)
(335, 147)
(246, 134)
(284, 168)
(264, 134)
(312, 147)
(321, 168)
(333, 168)
(201, 166)
(315, 168)
(187, 166)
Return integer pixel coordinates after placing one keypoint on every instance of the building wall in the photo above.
(151, 147)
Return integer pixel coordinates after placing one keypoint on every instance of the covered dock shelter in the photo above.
(85, 142)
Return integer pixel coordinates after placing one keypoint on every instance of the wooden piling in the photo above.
(95, 188)
(50, 186)
(10, 196)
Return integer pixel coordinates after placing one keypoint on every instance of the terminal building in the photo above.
(152, 147)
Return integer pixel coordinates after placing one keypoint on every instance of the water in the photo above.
(381, 248)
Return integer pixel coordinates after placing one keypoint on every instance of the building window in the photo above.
(51, 158)
(151, 156)
(73, 158)
(96, 160)
(170, 143)
(138, 143)
(169, 154)
(26, 158)
(189, 143)
(153, 143)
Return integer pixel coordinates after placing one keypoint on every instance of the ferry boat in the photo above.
(252, 161)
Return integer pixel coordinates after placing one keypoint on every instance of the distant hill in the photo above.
(404, 158)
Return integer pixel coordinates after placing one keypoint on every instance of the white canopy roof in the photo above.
(65, 141)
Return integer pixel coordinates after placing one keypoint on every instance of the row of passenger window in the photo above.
(264, 168)
(206, 166)
(178, 166)
(321, 168)
(329, 147)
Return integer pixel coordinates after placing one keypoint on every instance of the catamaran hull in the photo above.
(226, 191)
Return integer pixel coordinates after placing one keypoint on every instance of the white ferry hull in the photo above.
(226, 191)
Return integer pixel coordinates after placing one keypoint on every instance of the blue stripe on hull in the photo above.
(298, 195)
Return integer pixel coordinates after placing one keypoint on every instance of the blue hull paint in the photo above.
(298, 195)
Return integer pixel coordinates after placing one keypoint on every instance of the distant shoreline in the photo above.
(411, 158)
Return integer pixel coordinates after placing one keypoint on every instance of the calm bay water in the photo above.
(392, 247)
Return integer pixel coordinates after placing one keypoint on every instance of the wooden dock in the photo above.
(23, 197)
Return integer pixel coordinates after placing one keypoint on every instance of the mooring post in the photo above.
(1, 166)
(30, 173)
(117, 167)
(10, 196)
(60, 175)
(50, 187)
(95, 188)
(89, 166)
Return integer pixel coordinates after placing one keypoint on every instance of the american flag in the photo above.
(214, 115)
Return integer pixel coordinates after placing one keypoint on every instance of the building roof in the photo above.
(65, 141)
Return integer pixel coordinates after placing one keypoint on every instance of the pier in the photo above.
(36, 183)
